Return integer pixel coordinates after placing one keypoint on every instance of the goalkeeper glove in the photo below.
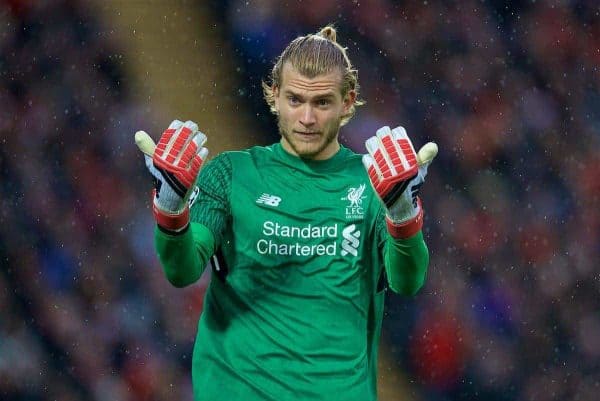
(174, 164)
(396, 173)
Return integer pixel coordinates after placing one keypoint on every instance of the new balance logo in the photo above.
(267, 199)
(350, 242)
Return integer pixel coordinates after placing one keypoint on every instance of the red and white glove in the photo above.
(175, 164)
(396, 173)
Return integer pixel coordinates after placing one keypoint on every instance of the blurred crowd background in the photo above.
(509, 91)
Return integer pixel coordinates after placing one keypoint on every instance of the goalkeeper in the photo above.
(304, 236)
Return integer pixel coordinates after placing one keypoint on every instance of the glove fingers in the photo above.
(193, 132)
(200, 154)
(169, 143)
(391, 163)
(145, 143)
(199, 139)
(191, 125)
(376, 150)
(191, 150)
(171, 134)
(196, 147)
(175, 125)
(368, 162)
(189, 146)
(425, 156)
(372, 145)
(390, 151)
(187, 133)
(404, 146)
(372, 170)
(427, 153)
(393, 153)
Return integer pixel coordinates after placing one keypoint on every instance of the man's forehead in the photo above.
(294, 80)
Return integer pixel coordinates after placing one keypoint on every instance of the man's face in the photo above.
(310, 111)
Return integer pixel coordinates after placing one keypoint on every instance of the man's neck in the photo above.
(327, 153)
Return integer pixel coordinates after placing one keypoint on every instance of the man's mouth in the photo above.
(306, 134)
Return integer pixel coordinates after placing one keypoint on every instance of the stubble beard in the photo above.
(314, 149)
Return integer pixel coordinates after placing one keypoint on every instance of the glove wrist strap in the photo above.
(171, 222)
(408, 228)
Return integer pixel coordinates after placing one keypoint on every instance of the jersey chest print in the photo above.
(289, 223)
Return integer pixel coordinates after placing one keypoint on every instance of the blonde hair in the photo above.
(313, 55)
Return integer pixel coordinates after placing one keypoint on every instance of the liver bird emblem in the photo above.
(355, 195)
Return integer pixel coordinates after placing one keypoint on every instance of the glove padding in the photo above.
(174, 164)
(397, 173)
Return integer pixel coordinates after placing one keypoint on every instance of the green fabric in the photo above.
(184, 256)
(299, 314)
(211, 204)
(406, 263)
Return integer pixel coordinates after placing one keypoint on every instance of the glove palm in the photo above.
(397, 173)
(174, 164)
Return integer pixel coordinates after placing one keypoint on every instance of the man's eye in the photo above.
(323, 102)
(293, 100)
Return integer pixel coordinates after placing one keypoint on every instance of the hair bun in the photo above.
(328, 33)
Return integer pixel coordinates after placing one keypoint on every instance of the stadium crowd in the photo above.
(511, 94)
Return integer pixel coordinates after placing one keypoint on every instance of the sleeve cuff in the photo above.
(171, 223)
(406, 229)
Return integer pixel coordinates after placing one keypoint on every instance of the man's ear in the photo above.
(349, 100)
(275, 90)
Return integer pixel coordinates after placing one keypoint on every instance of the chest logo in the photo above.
(351, 240)
(354, 197)
(270, 200)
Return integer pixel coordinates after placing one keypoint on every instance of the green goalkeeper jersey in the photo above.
(294, 308)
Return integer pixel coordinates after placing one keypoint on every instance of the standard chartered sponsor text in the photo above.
(271, 228)
(271, 247)
(277, 232)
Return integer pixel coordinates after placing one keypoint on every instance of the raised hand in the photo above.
(397, 173)
(175, 164)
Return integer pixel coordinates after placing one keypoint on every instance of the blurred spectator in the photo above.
(90, 315)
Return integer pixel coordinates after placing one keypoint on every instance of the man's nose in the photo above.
(307, 117)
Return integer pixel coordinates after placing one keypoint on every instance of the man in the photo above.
(304, 235)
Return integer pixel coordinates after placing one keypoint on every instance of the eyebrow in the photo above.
(327, 95)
